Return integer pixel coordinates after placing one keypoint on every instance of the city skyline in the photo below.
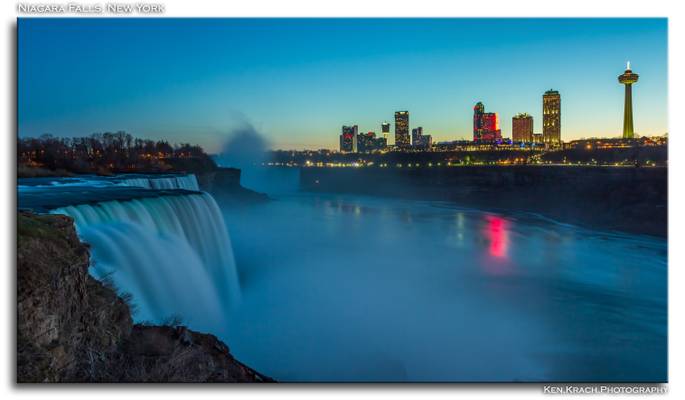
(191, 81)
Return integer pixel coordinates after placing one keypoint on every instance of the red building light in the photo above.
(496, 233)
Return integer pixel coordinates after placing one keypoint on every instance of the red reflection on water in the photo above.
(496, 233)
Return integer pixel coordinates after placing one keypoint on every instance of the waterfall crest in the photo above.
(188, 182)
(173, 253)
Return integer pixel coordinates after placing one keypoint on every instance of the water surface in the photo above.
(350, 288)
(354, 288)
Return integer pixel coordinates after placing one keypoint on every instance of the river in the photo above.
(354, 288)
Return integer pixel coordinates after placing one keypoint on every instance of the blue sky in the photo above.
(298, 80)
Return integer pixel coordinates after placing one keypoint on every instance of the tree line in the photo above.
(107, 153)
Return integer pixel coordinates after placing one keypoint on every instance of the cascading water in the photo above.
(172, 253)
(188, 182)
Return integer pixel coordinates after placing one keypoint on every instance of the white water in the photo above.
(172, 253)
(188, 182)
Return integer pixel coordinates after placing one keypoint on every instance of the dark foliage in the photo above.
(106, 153)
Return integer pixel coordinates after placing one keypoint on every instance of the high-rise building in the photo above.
(522, 128)
(478, 111)
(419, 140)
(424, 142)
(627, 79)
(385, 130)
(416, 134)
(348, 139)
(551, 117)
(402, 129)
(485, 125)
(368, 142)
(381, 143)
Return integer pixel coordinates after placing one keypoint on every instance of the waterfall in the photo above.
(172, 253)
(188, 182)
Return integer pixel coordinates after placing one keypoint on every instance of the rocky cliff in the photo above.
(72, 328)
(224, 185)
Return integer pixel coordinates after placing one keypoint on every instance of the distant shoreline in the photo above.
(632, 200)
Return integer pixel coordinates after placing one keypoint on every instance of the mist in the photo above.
(246, 149)
(354, 288)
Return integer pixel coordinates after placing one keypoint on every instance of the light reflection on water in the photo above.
(496, 232)
(362, 288)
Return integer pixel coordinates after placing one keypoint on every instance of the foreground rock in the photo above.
(72, 328)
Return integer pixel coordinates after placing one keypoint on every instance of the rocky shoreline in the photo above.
(73, 328)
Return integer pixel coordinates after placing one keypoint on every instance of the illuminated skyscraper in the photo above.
(348, 139)
(402, 129)
(485, 125)
(367, 142)
(627, 79)
(381, 143)
(385, 130)
(416, 134)
(551, 117)
(419, 140)
(522, 128)
(478, 111)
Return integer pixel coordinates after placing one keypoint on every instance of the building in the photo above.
(385, 130)
(365, 141)
(348, 139)
(537, 138)
(426, 142)
(381, 143)
(402, 129)
(368, 142)
(416, 135)
(627, 79)
(485, 125)
(419, 140)
(522, 128)
(551, 117)
(478, 111)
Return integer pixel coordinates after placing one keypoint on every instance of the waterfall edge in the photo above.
(61, 306)
(172, 253)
